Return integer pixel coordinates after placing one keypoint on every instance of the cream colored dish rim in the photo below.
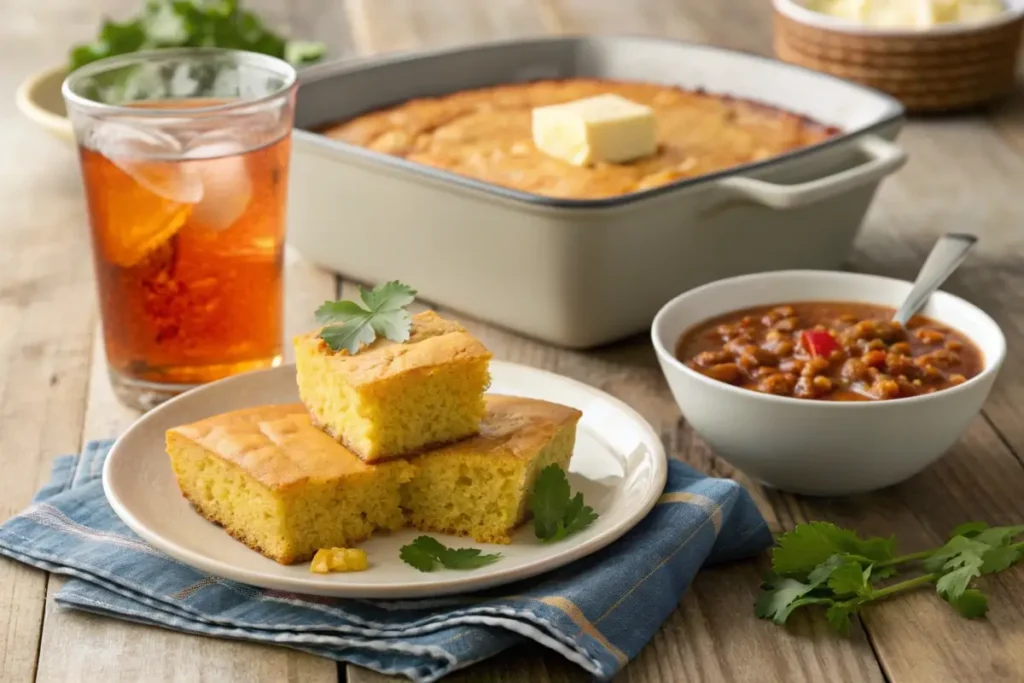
(797, 11)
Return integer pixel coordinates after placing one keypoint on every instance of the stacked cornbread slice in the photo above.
(399, 433)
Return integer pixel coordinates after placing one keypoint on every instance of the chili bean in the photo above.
(854, 370)
(780, 384)
(794, 365)
(708, 358)
(954, 345)
(724, 372)
(787, 324)
(895, 364)
(874, 358)
(929, 336)
(813, 367)
(902, 348)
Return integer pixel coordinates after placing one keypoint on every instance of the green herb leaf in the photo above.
(577, 515)
(844, 576)
(971, 604)
(555, 514)
(193, 23)
(808, 545)
(781, 595)
(350, 325)
(427, 554)
(968, 529)
(839, 615)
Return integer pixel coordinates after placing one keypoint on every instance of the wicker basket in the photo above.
(929, 71)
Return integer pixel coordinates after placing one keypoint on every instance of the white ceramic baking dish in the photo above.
(587, 272)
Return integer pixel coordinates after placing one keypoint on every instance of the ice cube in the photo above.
(220, 165)
(149, 156)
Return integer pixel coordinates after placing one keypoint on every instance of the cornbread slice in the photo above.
(391, 399)
(480, 487)
(282, 486)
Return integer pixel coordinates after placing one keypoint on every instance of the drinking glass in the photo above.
(184, 155)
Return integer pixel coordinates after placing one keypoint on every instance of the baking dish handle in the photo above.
(883, 157)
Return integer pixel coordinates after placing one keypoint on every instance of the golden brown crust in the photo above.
(433, 341)
(486, 134)
(276, 445)
(514, 426)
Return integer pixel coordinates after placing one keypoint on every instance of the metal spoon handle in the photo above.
(948, 253)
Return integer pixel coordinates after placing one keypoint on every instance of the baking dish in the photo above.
(580, 273)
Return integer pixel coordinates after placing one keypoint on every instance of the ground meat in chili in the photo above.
(834, 351)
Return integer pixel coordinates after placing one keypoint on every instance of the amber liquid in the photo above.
(188, 256)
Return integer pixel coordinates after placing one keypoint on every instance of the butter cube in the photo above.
(605, 128)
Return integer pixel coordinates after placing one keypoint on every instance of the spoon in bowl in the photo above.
(947, 254)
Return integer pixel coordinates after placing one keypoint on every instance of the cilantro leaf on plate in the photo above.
(555, 514)
(350, 325)
(426, 554)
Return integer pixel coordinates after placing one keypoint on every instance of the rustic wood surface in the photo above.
(964, 174)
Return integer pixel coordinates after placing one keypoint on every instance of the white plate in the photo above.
(619, 465)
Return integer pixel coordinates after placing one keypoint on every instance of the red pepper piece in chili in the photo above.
(818, 343)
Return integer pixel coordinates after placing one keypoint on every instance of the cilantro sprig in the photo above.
(556, 513)
(427, 554)
(349, 325)
(822, 564)
(192, 23)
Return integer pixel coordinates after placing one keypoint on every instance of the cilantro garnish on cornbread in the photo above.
(556, 513)
(393, 398)
(350, 325)
(426, 554)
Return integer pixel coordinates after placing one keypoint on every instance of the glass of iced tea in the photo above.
(184, 155)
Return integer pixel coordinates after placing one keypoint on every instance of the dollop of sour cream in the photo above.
(908, 13)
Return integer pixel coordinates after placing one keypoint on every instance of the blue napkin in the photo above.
(598, 612)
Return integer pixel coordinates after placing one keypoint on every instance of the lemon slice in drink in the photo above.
(141, 193)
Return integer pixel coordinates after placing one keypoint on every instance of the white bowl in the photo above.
(823, 447)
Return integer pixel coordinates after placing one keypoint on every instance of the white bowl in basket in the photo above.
(823, 447)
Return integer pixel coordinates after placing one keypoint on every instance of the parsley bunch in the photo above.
(192, 23)
(821, 564)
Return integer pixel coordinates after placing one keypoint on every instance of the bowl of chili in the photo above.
(802, 379)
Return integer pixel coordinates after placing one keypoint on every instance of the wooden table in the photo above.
(965, 174)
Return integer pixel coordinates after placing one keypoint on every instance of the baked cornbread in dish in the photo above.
(480, 487)
(392, 399)
(486, 134)
(282, 486)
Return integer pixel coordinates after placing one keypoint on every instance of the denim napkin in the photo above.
(597, 612)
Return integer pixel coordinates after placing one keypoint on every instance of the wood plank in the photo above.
(45, 330)
(80, 647)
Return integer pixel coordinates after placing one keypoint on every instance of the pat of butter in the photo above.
(603, 128)
(918, 14)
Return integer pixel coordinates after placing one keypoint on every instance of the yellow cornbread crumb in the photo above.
(280, 485)
(329, 560)
(480, 487)
(392, 399)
